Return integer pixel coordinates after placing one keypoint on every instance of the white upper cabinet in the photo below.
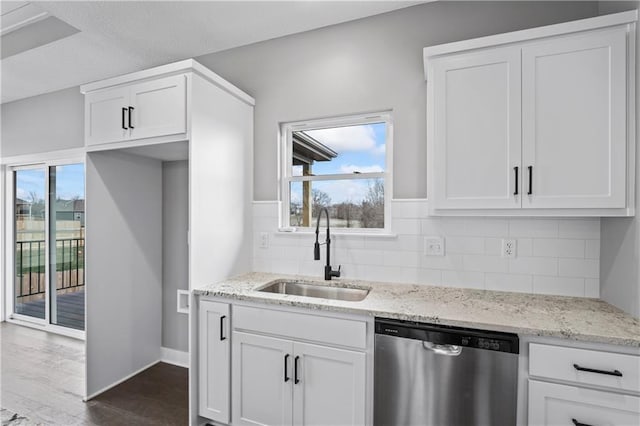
(106, 116)
(536, 122)
(574, 120)
(159, 107)
(145, 110)
(477, 129)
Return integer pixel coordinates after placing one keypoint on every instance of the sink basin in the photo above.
(308, 289)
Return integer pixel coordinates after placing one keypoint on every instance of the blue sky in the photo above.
(360, 148)
(69, 182)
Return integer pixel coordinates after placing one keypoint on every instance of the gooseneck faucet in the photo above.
(328, 272)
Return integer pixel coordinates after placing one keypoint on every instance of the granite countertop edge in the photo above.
(571, 318)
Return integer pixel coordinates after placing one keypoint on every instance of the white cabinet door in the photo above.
(159, 107)
(553, 404)
(214, 362)
(106, 116)
(330, 386)
(574, 121)
(477, 131)
(262, 380)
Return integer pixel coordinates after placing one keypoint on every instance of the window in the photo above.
(341, 164)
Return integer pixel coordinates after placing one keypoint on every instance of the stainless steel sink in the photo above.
(309, 289)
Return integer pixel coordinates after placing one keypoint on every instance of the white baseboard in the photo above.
(174, 357)
(124, 379)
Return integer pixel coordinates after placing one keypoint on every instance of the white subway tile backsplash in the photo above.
(448, 262)
(429, 276)
(592, 249)
(533, 228)
(534, 265)
(486, 227)
(553, 256)
(586, 268)
(524, 247)
(485, 263)
(560, 286)
(493, 246)
(553, 247)
(580, 228)
(465, 245)
(401, 258)
(509, 282)
(405, 226)
(463, 279)
(592, 288)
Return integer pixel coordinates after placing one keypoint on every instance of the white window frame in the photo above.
(286, 168)
(9, 242)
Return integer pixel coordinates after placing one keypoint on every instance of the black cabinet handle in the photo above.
(577, 423)
(296, 380)
(130, 120)
(530, 180)
(222, 337)
(515, 169)
(286, 366)
(593, 370)
(124, 111)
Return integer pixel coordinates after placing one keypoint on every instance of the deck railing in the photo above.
(30, 261)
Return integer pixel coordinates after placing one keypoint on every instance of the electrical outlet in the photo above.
(434, 246)
(508, 248)
(264, 240)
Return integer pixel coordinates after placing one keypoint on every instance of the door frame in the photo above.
(8, 225)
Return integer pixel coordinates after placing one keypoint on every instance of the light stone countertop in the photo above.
(575, 318)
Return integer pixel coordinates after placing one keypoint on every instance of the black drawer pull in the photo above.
(130, 120)
(296, 380)
(577, 423)
(286, 366)
(530, 180)
(593, 370)
(222, 327)
(124, 111)
(515, 169)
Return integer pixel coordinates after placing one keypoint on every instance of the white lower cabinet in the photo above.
(555, 404)
(330, 388)
(601, 388)
(214, 361)
(284, 376)
(262, 380)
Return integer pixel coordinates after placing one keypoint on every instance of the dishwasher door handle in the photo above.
(447, 350)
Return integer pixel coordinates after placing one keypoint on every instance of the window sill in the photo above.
(336, 232)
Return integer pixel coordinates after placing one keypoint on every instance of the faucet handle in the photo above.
(337, 273)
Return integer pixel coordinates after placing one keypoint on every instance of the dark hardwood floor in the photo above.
(42, 378)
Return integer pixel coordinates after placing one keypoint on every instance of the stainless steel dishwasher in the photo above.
(432, 375)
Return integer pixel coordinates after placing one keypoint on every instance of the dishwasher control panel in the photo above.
(448, 335)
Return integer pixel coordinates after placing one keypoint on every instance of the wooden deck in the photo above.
(70, 309)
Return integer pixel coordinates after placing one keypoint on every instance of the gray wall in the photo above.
(620, 238)
(370, 64)
(43, 123)
(175, 265)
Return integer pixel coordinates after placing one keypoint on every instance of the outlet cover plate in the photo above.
(434, 246)
(509, 248)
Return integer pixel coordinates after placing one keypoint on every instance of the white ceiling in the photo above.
(120, 37)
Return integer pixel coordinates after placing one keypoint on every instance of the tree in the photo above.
(319, 200)
(373, 206)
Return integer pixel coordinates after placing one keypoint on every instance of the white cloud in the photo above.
(352, 138)
(350, 168)
(380, 149)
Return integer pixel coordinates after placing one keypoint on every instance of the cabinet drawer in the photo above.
(333, 331)
(553, 404)
(562, 363)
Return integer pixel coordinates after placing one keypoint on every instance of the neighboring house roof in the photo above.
(306, 150)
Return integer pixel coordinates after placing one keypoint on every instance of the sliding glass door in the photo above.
(49, 229)
(30, 249)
